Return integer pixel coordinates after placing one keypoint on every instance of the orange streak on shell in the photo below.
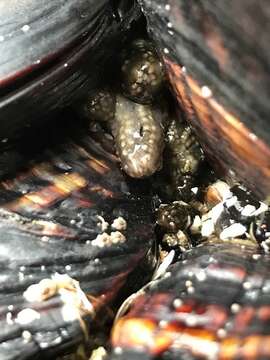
(98, 165)
(105, 192)
(62, 187)
(134, 332)
(221, 131)
(248, 348)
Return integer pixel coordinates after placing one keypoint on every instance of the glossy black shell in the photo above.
(51, 217)
(52, 52)
(219, 70)
(213, 303)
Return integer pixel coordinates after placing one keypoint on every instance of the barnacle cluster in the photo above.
(230, 213)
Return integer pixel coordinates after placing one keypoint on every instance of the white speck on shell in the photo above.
(25, 28)
(201, 275)
(206, 92)
(190, 290)
(253, 137)
(9, 319)
(118, 350)
(247, 285)
(235, 308)
(221, 333)
(163, 323)
(191, 321)
(177, 303)
(27, 336)
(21, 276)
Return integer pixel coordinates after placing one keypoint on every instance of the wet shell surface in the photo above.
(213, 62)
(76, 234)
(72, 231)
(213, 304)
(53, 52)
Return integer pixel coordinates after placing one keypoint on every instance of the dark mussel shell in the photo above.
(218, 60)
(214, 304)
(52, 52)
(56, 217)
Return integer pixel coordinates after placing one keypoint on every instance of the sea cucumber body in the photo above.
(138, 134)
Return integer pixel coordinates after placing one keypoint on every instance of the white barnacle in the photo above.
(196, 225)
(45, 289)
(233, 231)
(26, 316)
(102, 240)
(119, 223)
(102, 223)
(248, 210)
(208, 227)
(99, 354)
(117, 237)
(161, 270)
